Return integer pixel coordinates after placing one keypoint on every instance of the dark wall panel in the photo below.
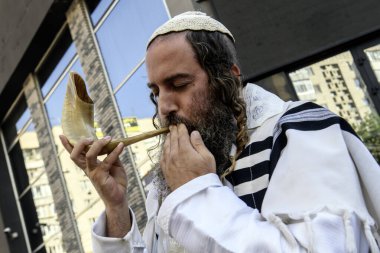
(271, 34)
(9, 211)
(3, 238)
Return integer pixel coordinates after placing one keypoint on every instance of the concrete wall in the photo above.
(27, 29)
(271, 34)
(176, 7)
(19, 23)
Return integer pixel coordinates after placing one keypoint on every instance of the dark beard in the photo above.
(216, 126)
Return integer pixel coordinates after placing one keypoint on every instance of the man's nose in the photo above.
(167, 103)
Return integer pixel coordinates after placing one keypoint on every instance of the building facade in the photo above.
(299, 50)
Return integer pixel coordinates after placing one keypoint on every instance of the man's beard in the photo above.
(215, 122)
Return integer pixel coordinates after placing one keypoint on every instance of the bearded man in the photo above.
(293, 180)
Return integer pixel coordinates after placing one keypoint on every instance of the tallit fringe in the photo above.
(369, 227)
(280, 225)
(377, 237)
(309, 228)
(370, 238)
(350, 235)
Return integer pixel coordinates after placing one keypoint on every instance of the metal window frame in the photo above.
(366, 71)
(361, 62)
(15, 192)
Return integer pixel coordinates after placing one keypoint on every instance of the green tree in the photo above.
(369, 132)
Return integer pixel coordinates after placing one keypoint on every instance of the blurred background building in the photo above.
(327, 52)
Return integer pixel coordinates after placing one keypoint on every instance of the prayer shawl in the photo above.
(301, 160)
(259, 161)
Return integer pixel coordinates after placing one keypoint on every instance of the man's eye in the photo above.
(180, 85)
(154, 92)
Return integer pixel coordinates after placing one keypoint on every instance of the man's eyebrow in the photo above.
(170, 79)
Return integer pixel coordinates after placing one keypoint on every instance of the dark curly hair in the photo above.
(216, 54)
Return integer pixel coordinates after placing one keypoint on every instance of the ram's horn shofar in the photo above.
(78, 117)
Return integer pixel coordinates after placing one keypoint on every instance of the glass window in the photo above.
(124, 34)
(373, 54)
(34, 190)
(372, 123)
(19, 119)
(99, 11)
(23, 120)
(277, 84)
(302, 84)
(341, 89)
(54, 104)
(87, 204)
(58, 70)
(133, 97)
(137, 111)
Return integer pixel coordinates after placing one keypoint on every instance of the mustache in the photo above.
(174, 119)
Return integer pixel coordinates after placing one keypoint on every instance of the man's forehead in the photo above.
(169, 47)
(172, 36)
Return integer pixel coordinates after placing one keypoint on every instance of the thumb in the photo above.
(197, 142)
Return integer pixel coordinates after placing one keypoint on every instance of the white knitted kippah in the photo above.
(193, 21)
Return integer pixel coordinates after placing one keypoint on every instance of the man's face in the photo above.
(176, 79)
(183, 95)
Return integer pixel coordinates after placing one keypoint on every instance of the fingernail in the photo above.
(120, 145)
(196, 134)
(107, 138)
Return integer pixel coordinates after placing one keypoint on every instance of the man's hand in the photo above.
(185, 157)
(109, 179)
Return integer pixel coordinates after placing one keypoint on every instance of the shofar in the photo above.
(78, 117)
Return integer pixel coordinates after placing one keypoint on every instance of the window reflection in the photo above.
(373, 54)
(370, 129)
(16, 122)
(58, 70)
(99, 11)
(133, 97)
(34, 188)
(86, 204)
(54, 105)
(85, 201)
(278, 84)
(137, 111)
(335, 83)
(23, 120)
(123, 35)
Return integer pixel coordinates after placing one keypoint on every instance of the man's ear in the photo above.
(236, 70)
